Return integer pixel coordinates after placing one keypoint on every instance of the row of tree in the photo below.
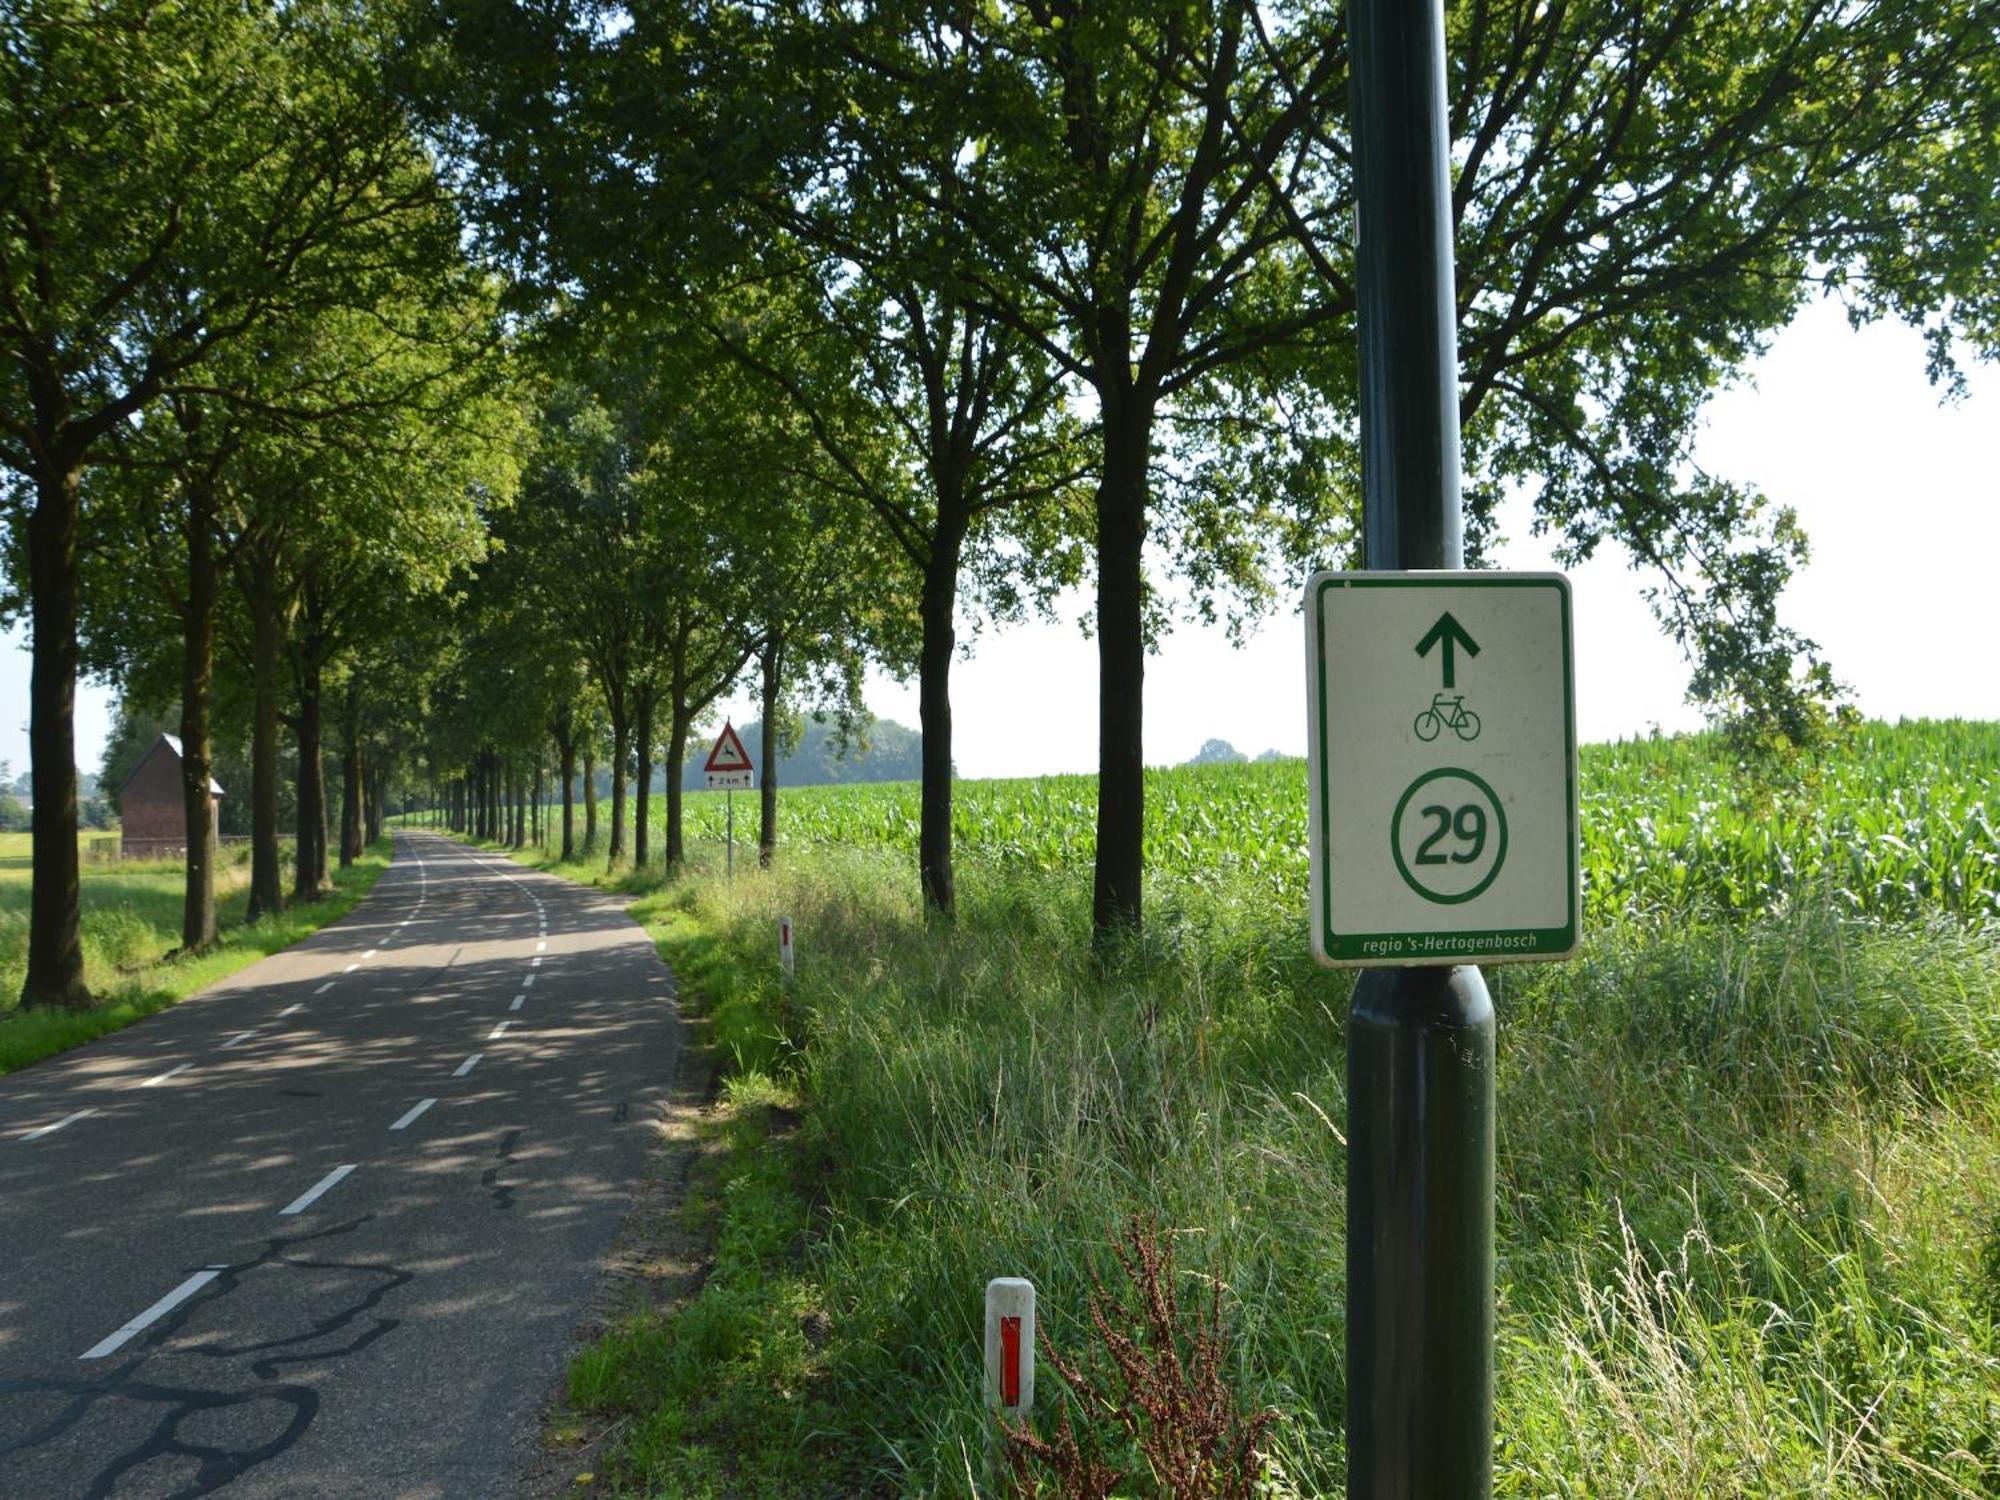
(480, 373)
(1065, 288)
(246, 404)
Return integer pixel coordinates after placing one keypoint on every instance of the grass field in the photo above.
(131, 922)
(1749, 1143)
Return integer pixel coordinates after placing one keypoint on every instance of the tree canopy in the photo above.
(815, 336)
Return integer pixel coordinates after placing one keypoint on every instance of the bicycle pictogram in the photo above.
(1447, 711)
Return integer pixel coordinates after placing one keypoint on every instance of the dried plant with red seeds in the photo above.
(1165, 1389)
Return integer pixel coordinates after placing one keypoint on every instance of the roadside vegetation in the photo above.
(1749, 1205)
(432, 404)
(131, 934)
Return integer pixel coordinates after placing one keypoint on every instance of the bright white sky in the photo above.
(1896, 491)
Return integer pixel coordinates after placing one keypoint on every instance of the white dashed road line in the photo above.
(170, 1073)
(291, 1010)
(325, 987)
(409, 1118)
(515, 1003)
(500, 1030)
(153, 1314)
(36, 1135)
(241, 1036)
(312, 1194)
(468, 1065)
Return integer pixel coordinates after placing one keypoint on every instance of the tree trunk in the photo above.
(770, 666)
(376, 792)
(55, 924)
(350, 778)
(938, 608)
(621, 746)
(589, 791)
(1121, 672)
(266, 643)
(309, 872)
(535, 807)
(197, 683)
(566, 750)
(677, 739)
(644, 703)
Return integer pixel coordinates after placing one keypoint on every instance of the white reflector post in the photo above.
(1010, 1344)
(785, 945)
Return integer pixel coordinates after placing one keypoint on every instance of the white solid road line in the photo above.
(36, 1135)
(500, 1030)
(515, 1003)
(241, 1036)
(153, 1314)
(468, 1065)
(325, 987)
(311, 1195)
(410, 1117)
(170, 1073)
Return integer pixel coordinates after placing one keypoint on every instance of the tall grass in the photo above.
(1749, 1180)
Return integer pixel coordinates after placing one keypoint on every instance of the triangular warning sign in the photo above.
(728, 754)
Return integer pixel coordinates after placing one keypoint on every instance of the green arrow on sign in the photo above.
(1451, 635)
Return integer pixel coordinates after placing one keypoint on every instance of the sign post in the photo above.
(728, 767)
(1419, 1038)
(1442, 767)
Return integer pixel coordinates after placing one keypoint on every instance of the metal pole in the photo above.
(1419, 1041)
(729, 860)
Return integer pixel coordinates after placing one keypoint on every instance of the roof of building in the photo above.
(174, 744)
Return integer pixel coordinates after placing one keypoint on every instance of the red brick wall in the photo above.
(149, 807)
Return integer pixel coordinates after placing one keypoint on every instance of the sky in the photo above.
(1896, 489)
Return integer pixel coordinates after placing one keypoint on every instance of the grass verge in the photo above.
(131, 922)
(1748, 1219)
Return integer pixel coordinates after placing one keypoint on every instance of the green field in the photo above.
(1749, 1141)
(131, 924)
(1904, 821)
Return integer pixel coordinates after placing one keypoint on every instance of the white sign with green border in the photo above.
(1442, 758)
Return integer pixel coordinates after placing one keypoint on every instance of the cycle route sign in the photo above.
(1441, 754)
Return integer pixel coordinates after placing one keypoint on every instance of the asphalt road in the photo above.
(328, 1228)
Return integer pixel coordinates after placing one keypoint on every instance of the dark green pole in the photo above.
(1419, 1041)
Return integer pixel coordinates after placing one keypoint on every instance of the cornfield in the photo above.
(1897, 820)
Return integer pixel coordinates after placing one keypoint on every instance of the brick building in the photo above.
(152, 820)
